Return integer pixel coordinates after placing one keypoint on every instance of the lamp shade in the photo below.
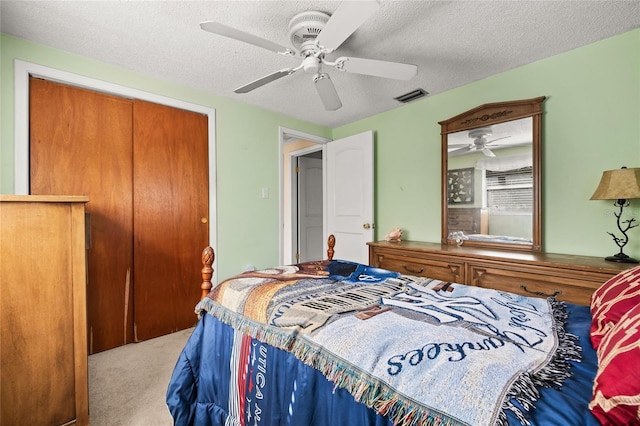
(618, 184)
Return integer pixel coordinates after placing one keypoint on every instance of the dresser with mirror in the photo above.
(491, 212)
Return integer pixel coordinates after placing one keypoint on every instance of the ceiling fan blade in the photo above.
(460, 151)
(488, 152)
(344, 21)
(264, 80)
(497, 139)
(377, 68)
(327, 92)
(223, 30)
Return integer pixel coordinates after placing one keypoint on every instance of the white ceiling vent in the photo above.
(412, 96)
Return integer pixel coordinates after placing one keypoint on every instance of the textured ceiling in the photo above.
(452, 42)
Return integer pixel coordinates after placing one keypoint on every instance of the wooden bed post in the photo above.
(332, 243)
(208, 257)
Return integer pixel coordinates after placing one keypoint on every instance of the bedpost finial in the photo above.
(208, 256)
(332, 243)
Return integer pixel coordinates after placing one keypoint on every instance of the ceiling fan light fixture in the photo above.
(411, 96)
(311, 65)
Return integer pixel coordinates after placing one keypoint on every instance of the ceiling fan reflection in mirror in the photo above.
(313, 35)
(480, 142)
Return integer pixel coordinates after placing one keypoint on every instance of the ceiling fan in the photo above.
(479, 143)
(315, 34)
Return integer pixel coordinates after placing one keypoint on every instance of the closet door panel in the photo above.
(81, 144)
(170, 216)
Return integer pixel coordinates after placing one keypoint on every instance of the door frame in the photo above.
(294, 156)
(286, 134)
(23, 70)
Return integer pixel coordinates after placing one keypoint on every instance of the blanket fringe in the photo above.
(366, 389)
(523, 393)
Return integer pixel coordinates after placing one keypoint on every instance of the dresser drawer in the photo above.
(531, 282)
(436, 268)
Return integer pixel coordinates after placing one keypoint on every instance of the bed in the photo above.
(334, 342)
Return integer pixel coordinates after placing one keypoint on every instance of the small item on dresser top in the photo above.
(394, 235)
(458, 236)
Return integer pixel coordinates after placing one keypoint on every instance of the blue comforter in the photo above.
(224, 377)
(278, 390)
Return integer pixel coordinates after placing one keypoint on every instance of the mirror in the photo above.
(491, 176)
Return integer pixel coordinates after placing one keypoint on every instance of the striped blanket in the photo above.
(418, 350)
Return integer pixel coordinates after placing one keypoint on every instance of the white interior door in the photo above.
(310, 209)
(349, 195)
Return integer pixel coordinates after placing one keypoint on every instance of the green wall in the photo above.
(246, 150)
(591, 123)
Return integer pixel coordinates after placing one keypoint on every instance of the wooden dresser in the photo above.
(43, 346)
(569, 278)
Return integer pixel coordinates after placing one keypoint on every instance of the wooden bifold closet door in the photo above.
(170, 216)
(144, 167)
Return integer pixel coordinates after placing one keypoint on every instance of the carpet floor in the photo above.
(127, 385)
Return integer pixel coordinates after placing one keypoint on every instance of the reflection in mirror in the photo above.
(496, 182)
(491, 180)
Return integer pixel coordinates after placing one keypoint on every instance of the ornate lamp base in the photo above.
(621, 258)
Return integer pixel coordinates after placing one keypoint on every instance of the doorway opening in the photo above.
(301, 238)
(308, 213)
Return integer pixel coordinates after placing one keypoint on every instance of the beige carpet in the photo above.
(127, 385)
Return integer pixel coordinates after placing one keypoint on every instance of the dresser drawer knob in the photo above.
(539, 293)
(414, 271)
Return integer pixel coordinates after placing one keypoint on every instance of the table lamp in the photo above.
(620, 185)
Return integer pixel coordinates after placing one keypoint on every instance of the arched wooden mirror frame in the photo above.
(488, 115)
